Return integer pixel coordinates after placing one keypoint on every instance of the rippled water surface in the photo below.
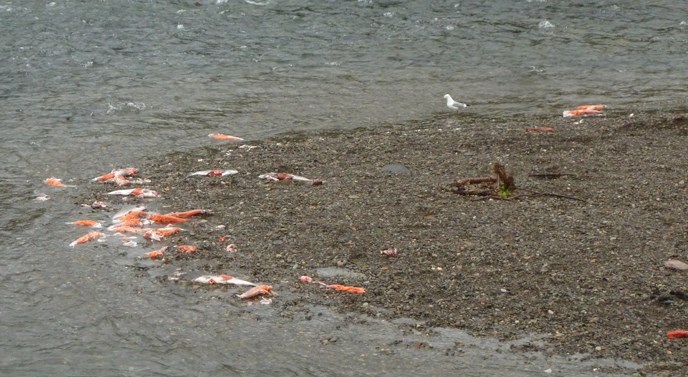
(86, 86)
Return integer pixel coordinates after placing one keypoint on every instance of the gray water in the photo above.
(86, 86)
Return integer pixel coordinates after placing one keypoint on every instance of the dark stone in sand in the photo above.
(396, 169)
(674, 264)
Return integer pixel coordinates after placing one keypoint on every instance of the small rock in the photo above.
(396, 169)
(674, 264)
(335, 272)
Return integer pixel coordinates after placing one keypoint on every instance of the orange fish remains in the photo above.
(165, 219)
(104, 177)
(585, 110)
(97, 204)
(118, 176)
(191, 213)
(89, 223)
(123, 229)
(346, 288)
(187, 249)
(132, 218)
(137, 192)
(221, 279)
(159, 234)
(214, 173)
(591, 107)
(224, 137)
(55, 182)
(287, 177)
(157, 254)
(390, 252)
(336, 287)
(88, 237)
(677, 334)
(256, 291)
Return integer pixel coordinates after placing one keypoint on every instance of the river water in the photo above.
(86, 86)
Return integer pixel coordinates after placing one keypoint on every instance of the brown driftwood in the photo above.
(462, 186)
(502, 184)
(505, 182)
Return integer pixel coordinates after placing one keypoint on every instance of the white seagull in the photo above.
(453, 104)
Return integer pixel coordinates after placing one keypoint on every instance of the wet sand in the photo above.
(574, 254)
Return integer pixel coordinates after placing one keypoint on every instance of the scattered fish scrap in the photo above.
(86, 223)
(677, 334)
(157, 254)
(55, 182)
(287, 177)
(41, 197)
(221, 279)
(190, 213)
(345, 288)
(159, 234)
(127, 229)
(165, 219)
(129, 241)
(118, 176)
(88, 237)
(134, 217)
(136, 192)
(214, 173)
(224, 137)
(585, 110)
(389, 252)
(187, 249)
(97, 204)
(256, 291)
(132, 222)
(336, 287)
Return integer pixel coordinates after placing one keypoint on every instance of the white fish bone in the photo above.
(221, 279)
(214, 173)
